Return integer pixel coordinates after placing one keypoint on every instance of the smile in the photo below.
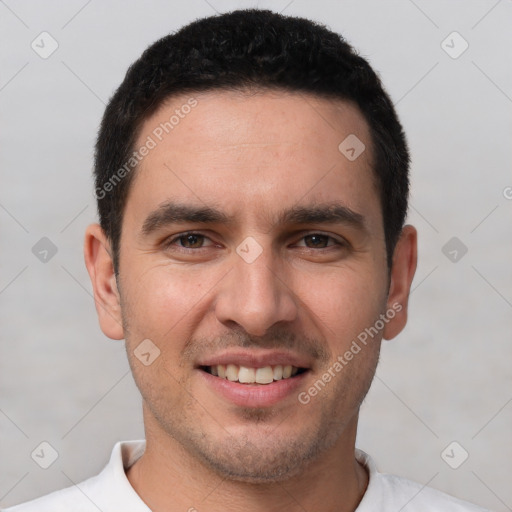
(245, 375)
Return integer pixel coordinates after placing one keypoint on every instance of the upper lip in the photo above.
(256, 359)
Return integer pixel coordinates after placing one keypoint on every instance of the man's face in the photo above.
(286, 266)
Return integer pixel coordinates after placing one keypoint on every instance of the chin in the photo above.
(255, 471)
(262, 460)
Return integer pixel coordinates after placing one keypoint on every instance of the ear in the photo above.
(98, 260)
(405, 258)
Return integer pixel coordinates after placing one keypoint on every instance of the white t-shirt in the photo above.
(110, 491)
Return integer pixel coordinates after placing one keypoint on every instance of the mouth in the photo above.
(255, 379)
(261, 376)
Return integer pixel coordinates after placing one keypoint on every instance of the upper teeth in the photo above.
(245, 375)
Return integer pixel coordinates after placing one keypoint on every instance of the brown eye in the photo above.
(187, 241)
(191, 241)
(317, 241)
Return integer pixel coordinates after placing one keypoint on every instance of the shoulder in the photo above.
(110, 491)
(71, 498)
(389, 492)
(412, 496)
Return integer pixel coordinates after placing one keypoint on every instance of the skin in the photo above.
(251, 156)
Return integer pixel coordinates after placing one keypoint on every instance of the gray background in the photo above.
(446, 378)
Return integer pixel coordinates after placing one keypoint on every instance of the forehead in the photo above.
(252, 153)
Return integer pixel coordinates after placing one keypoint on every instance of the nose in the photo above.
(255, 295)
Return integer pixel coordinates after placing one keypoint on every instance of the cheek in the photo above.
(344, 302)
(161, 302)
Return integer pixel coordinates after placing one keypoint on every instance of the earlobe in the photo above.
(99, 264)
(402, 273)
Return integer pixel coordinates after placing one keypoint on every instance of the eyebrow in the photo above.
(172, 212)
(330, 213)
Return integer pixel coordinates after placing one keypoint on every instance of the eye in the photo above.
(319, 241)
(187, 241)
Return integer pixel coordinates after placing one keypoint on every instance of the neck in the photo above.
(170, 479)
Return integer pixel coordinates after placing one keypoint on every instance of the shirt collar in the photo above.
(126, 453)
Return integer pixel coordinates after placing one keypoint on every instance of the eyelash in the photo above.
(170, 241)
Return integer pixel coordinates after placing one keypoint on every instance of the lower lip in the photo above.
(254, 395)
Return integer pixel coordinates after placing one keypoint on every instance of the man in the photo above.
(252, 183)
